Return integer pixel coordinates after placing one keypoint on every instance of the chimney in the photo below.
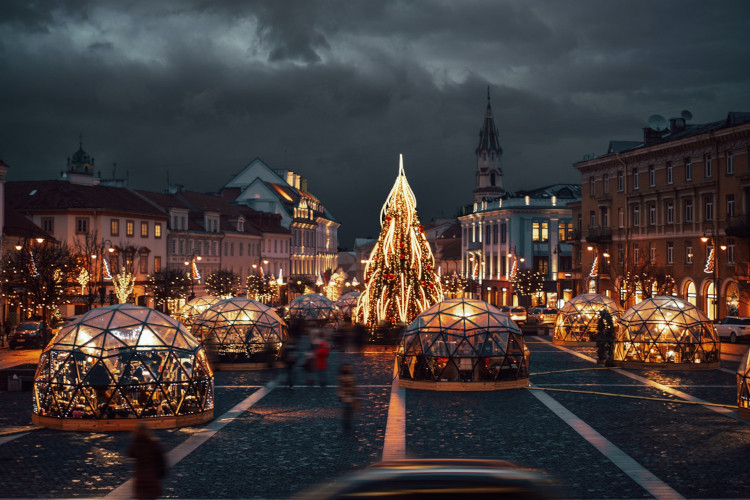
(676, 124)
(651, 136)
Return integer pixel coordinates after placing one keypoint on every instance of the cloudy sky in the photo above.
(193, 90)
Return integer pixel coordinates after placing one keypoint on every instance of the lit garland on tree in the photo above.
(223, 283)
(527, 282)
(124, 284)
(333, 289)
(83, 279)
(168, 286)
(400, 280)
(454, 285)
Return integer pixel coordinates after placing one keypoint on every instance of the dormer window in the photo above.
(241, 225)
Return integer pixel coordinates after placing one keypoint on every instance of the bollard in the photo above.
(14, 383)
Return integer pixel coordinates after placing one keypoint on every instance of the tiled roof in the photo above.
(63, 195)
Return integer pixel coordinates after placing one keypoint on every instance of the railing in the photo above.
(599, 234)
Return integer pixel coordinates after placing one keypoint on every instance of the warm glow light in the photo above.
(589, 248)
(704, 239)
(40, 240)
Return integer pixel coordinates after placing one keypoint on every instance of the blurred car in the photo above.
(28, 334)
(516, 313)
(65, 322)
(542, 316)
(734, 328)
(439, 479)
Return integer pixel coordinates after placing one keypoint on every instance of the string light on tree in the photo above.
(124, 284)
(83, 278)
(400, 280)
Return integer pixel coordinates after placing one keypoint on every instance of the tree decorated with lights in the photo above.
(167, 286)
(527, 282)
(400, 280)
(223, 283)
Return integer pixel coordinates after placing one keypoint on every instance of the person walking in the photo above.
(347, 395)
(150, 463)
(322, 350)
(291, 355)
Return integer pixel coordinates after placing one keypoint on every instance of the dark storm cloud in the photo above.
(193, 90)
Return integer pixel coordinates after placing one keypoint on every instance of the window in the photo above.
(157, 264)
(652, 255)
(636, 215)
(730, 206)
(545, 231)
(157, 230)
(240, 246)
(144, 229)
(620, 254)
(605, 183)
(231, 249)
(82, 225)
(652, 215)
(670, 212)
(651, 175)
(730, 251)
(605, 217)
(635, 178)
(541, 264)
(494, 234)
(144, 264)
(129, 228)
(535, 231)
(708, 210)
(182, 247)
(688, 169)
(670, 173)
(730, 162)
(670, 252)
(540, 231)
(48, 224)
(688, 253)
(621, 217)
(620, 181)
(592, 186)
(592, 219)
(709, 165)
(636, 253)
(688, 210)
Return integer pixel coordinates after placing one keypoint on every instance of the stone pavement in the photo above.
(604, 433)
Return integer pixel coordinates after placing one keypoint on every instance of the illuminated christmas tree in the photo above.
(400, 280)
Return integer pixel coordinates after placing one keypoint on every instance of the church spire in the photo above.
(489, 159)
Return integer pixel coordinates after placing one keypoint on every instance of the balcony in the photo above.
(599, 234)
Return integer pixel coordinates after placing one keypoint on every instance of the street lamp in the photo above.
(99, 254)
(712, 267)
(192, 271)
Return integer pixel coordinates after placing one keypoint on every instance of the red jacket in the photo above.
(321, 356)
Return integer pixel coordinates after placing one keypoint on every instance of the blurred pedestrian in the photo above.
(347, 395)
(150, 463)
(291, 355)
(322, 350)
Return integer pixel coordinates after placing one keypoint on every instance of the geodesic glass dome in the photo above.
(666, 332)
(314, 307)
(578, 318)
(241, 331)
(194, 308)
(743, 386)
(121, 364)
(463, 344)
(347, 303)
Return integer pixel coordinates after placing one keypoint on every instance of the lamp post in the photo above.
(191, 273)
(712, 267)
(99, 254)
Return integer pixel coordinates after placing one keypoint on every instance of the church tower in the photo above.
(489, 159)
(80, 167)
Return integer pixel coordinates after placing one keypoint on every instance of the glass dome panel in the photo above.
(462, 341)
(194, 308)
(314, 307)
(347, 303)
(578, 318)
(240, 330)
(129, 370)
(666, 330)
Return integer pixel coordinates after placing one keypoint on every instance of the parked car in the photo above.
(28, 334)
(439, 479)
(516, 313)
(734, 328)
(542, 316)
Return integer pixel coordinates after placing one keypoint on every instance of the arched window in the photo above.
(691, 294)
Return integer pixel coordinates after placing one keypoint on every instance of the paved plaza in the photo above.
(603, 433)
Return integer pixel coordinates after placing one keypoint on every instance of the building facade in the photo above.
(669, 215)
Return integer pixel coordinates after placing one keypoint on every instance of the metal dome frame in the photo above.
(666, 332)
(119, 365)
(462, 345)
(347, 303)
(578, 318)
(194, 308)
(743, 386)
(314, 307)
(241, 334)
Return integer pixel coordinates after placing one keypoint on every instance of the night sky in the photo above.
(191, 91)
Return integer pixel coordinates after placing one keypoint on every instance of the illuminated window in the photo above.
(114, 227)
(129, 228)
(143, 264)
(157, 264)
(534, 231)
(157, 230)
(144, 229)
